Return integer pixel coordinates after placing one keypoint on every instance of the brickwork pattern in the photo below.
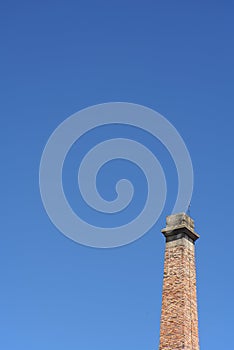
(179, 319)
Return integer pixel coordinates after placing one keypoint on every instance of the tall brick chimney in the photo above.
(179, 321)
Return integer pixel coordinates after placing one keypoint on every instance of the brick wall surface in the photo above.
(179, 320)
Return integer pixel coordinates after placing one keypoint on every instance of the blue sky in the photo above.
(59, 57)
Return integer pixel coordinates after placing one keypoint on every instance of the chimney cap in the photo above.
(180, 223)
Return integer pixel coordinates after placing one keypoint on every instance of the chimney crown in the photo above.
(180, 224)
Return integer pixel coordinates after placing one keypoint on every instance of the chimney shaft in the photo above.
(179, 320)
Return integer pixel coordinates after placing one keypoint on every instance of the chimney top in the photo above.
(178, 225)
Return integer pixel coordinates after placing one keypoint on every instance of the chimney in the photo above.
(179, 320)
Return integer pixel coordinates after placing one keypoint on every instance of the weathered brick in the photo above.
(179, 320)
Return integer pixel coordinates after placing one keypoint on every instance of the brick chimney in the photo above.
(179, 320)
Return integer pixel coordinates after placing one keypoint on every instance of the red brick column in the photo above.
(179, 321)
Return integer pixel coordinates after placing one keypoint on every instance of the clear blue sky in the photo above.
(58, 57)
